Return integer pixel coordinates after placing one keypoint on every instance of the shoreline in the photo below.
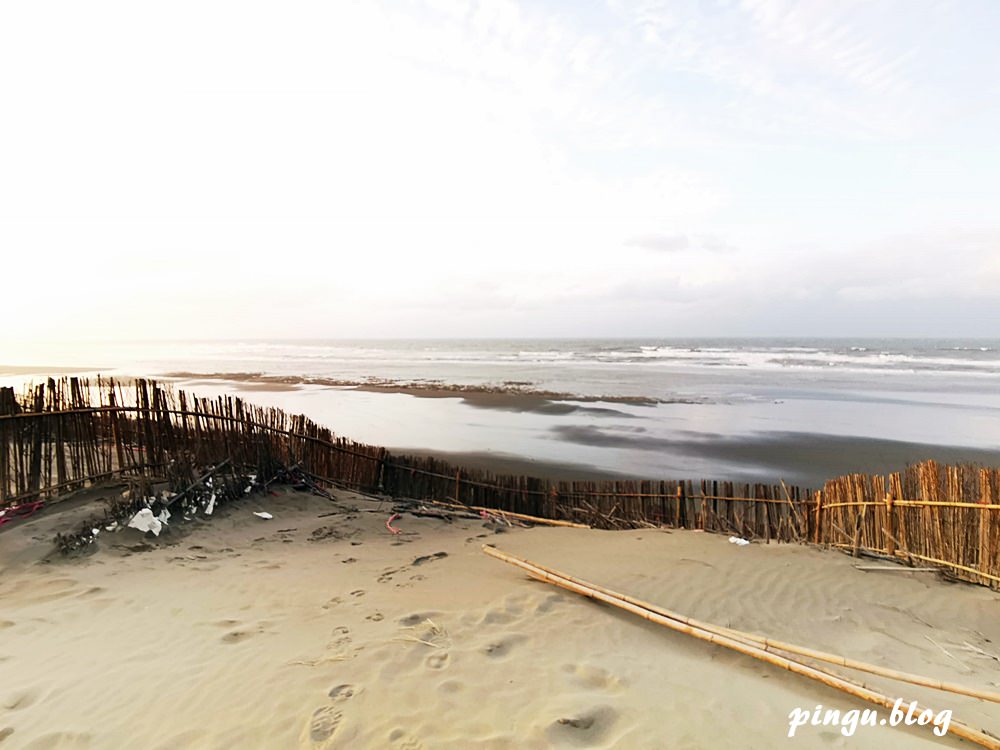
(805, 460)
(514, 465)
(506, 394)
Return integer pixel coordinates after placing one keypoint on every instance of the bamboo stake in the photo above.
(845, 685)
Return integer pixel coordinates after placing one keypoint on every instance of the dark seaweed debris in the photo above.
(215, 486)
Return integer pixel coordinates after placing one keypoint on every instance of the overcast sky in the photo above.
(439, 168)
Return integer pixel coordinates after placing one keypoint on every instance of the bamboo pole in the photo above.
(519, 516)
(905, 555)
(770, 644)
(843, 684)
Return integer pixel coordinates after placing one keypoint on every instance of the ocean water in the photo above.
(801, 410)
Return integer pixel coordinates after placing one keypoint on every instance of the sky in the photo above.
(435, 168)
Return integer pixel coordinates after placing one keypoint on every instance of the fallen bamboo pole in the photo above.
(769, 644)
(843, 684)
(904, 555)
(518, 516)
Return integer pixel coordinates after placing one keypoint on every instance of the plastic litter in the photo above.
(145, 521)
(263, 514)
(738, 541)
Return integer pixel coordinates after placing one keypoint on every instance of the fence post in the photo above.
(985, 521)
(819, 517)
(891, 523)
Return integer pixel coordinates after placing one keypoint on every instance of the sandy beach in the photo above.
(320, 629)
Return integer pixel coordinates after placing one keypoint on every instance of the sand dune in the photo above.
(319, 629)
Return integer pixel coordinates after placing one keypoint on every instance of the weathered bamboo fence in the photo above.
(67, 434)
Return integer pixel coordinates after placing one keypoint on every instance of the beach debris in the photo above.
(145, 522)
(761, 648)
(388, 524)
(950, 655)
(141, 508)
(431, 634)
(263, 514)
(739, 541)
(979, 652)
(20, 512)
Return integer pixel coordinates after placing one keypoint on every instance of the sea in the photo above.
(798, 410)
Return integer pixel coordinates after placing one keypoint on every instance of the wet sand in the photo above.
(502, 463)
(803, 458)
(319, 629)
(510, 395)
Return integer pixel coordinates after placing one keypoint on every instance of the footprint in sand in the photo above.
(498, 617)
(341, 637)
(586, 729)
(333, 603)
(416, 618)
(21, 699)
(236, 636)
(349, 560)
(548, 603)
(4, 624)
(5, 733)
(343, 692)
(240, 634)
(376, 617)
(399, 738)
(324, 723)
(387, 575)
(437, 661)
(429, 558)
(593, 678)
(359, 592)
(500, 648)
(451, 686)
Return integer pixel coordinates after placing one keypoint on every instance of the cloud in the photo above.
(662, 243)
(678, 243)
(501, 167)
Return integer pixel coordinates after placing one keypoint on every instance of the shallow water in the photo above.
(797, 409)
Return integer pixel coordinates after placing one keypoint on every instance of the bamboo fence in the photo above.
(71, 433)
